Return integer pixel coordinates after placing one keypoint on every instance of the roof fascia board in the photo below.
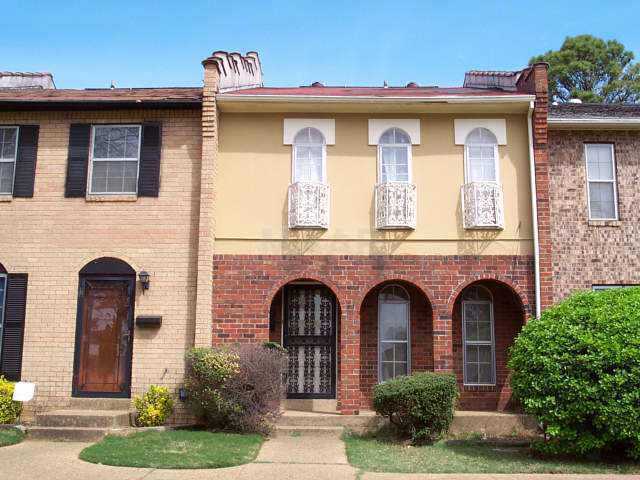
(223, 98)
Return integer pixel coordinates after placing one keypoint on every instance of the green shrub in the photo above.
(275, 346)
(577, 370)
(420, 406)
(9, 410)
(236, 388)
(154, 407)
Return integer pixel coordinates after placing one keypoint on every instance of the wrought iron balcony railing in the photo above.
(482, 205)
(395, 205)
(309, 205)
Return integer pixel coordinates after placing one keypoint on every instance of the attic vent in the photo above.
(317, 84)
(412, 85)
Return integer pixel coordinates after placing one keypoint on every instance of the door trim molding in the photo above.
(131, 280)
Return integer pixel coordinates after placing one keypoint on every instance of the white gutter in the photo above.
(594, 121)
(534, 211)
(226, 97)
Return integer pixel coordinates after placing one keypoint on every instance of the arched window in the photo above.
(481, 156)
(309, 153)
(394, 156)
(478, 336)
(394, 347)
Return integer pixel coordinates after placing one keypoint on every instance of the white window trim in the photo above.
(324, 159)
(407, 341)
(91, 159)
(614, 181)
(496, 161)
(326, 126)
(377, 126)
(475, 342)
(14, 161)
(3, 304)
(462, 127)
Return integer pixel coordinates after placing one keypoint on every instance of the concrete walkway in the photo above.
(289, 456)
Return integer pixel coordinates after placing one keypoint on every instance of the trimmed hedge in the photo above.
(421, 405)
(577, 370)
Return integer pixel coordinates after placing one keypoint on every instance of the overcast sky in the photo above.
(161, 43)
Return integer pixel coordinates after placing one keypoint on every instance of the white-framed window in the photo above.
(8, 155)
(115, 159)
(394, 156)
(478, 336)
(481, 156)
(3, 294)
(394, 345)
(309, 156)
(601, 181)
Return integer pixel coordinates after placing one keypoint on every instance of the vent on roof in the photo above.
(317, 84)
(26, 80)
(412, 85)
(491, 79)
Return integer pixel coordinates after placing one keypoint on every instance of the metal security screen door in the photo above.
(310, 340)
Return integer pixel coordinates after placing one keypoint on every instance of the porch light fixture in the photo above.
(144, 279)
(182, 394)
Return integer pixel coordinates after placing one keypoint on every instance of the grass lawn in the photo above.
(10, 436)
(175, 449)
(464, 456)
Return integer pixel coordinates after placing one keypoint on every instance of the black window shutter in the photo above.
(13, 331)
(25, 173)
(77, 160)
(149, 172)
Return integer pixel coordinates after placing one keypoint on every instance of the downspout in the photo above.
(534, 210)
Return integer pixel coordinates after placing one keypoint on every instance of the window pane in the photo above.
(100, 142)
(111, 142)
(308, 163)
(6, 177)
(401, 368)
(484, 331)
(599, 162)
(400, 352)
(484, 354)
(394, 164)
(601, 200)
(485, 373)
(8, 139)
(387, 352)
(471, 355)
(471, 373)
(386, 371)
(131, 143)
(393, 321)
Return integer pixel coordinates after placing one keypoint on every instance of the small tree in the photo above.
(577, 370)
(593, 70)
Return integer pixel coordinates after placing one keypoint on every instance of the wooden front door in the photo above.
(310, 340)
(104, 337)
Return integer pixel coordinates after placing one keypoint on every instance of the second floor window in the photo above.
(481, 156)
(601, 182)
(309, 154)
(8, 153)
(115, 156)
(394, 156)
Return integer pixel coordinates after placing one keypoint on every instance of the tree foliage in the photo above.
(593, 70)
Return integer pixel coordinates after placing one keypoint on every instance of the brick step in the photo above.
(100, 403)
(84, 418)
(292, 418)
(67, 434)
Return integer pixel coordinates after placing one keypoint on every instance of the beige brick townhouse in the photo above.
(373, 231)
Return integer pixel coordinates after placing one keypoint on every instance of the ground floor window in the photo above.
(393, 333)
(597, 288)
(478, 337)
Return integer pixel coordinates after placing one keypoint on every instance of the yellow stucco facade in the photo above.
(254, 171)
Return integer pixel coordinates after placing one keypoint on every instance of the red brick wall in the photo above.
(421, 324)
(508, 320)
(534, 80)
(593, 252)
(244, 287)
